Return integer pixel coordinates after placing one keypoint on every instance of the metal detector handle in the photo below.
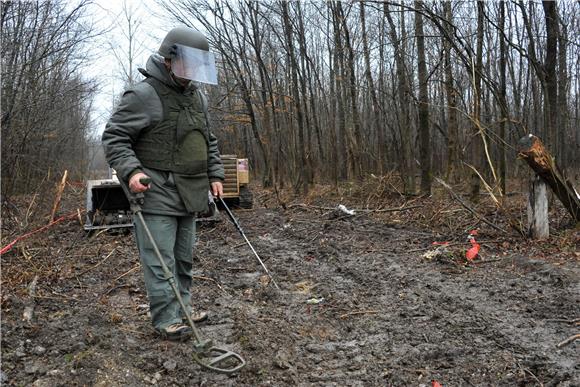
(136, 199)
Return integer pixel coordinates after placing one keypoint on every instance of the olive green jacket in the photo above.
(141, 108)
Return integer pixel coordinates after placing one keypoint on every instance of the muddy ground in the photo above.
(363, 300)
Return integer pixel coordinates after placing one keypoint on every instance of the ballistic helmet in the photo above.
(186, 37)
(188, 50)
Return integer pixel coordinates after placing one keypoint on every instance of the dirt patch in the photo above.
(360, 304)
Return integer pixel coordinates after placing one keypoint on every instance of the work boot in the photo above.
(197, 317)
(176, 332)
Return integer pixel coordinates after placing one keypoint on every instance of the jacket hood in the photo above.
(155, 68)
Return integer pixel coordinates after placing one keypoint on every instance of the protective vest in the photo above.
(179, 142)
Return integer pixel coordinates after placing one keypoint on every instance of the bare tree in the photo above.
(503, 100)
(304, 180)
(451, 93)
(45, 102)
(324, 91)
(478, 139)
(404, 93)
(423, 117)
(376, 109)
(129, 24)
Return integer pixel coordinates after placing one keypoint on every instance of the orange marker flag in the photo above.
(474, 250)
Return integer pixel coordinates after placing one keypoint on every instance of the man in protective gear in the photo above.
(160, 130)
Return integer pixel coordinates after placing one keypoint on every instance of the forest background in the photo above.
(311, 92)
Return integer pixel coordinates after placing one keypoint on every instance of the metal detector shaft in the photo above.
(235, 222)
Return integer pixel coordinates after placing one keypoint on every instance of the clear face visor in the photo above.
(194, 64)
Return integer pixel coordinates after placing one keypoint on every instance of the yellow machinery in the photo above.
(236, 184)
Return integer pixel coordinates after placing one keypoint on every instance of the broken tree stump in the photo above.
(532, 150)
(28, 313)
(538, 223)
(59, 190)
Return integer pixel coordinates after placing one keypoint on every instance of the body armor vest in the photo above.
(179, 142)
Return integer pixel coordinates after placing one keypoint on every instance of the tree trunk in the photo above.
(563, 84)
(451, 92)
(477, 140)
(343, 155)
(288, 32)
(265, 94)
(356, 138)
(545, 72)
(376, 112)
(312, 75)
(423, 124)
(551, 80)
(503, 101)
(335, 144)
(407, 170)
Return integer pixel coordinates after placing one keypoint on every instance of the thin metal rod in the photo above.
(235, 222)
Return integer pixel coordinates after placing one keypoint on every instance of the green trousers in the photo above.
(175, 237)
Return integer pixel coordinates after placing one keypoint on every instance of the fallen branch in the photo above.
(98, 264)
(391, 209)
(128, 272)
(29, 309)
(563, 320)
(115, 288)
(468, 208)
(212, 280)
(343, 316)
(569, 340)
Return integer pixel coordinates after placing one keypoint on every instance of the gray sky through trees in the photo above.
(112, 49)
(293, 84)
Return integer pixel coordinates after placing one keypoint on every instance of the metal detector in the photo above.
(205, 353)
